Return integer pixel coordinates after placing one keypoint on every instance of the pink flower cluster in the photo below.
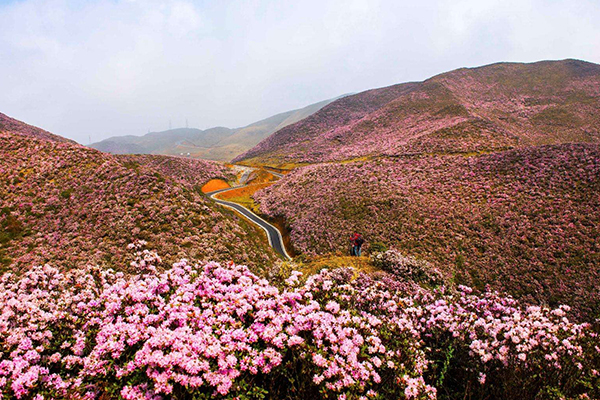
(191, 328)
(525, 221)
(72, 205)
(407, 267)
(211, 329)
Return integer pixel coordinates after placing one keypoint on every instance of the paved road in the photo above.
(275, 239)
(245, 176)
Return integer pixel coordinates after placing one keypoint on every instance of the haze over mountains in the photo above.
(495, 107)
(217, 143)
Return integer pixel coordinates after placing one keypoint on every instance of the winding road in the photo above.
(273, 234)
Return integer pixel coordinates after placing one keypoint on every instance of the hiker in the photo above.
(353, 238)
(356, 241)
(359, 242)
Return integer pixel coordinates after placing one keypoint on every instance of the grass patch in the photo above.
(274, 164)
(261, 176)
(316, 264)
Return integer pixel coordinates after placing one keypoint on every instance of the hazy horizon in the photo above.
(185, 122)
(98, 69)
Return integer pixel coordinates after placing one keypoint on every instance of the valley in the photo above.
(133, 271)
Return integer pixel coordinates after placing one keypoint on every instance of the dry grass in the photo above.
(360, 264)
(268, 163)
(286, 168)
(351, 160)
(214, 184)
(261, 176)
(278, 170)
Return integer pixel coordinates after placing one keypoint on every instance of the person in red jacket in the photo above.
(356, 241)
(353, 238)
(359, 242)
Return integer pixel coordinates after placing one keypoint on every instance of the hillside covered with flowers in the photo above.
(526, 221)
(478, 194)
(11, 125)
(214, 330)
(70, 205)
(490, 108)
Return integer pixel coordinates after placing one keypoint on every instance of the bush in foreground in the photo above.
(196, 331)
(407, 267)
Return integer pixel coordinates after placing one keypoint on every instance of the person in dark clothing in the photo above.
(353, 248)
(356, 242)
(359, 242)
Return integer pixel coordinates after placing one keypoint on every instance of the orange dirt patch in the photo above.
(214, 184)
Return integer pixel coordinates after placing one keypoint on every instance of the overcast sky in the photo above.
(100, 68)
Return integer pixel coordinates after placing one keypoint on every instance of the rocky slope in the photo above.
(491, 108)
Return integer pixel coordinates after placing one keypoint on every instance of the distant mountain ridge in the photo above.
(219, 143)
(489, 108)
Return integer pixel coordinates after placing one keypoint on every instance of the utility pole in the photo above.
(90, 139)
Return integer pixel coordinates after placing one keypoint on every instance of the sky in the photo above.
(91, 69)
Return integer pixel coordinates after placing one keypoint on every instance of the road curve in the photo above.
(273, 234)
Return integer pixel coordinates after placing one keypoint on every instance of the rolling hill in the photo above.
(489, 173)
(219, 143)
(525, 221)
(469, 200)
(490, 108)
(68, 205)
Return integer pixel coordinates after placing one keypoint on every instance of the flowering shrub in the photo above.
(483, 109)
(407, 267)
(72, 205)
(525, 221)
(219, 330)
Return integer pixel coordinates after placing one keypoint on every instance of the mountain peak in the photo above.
(493, 107)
